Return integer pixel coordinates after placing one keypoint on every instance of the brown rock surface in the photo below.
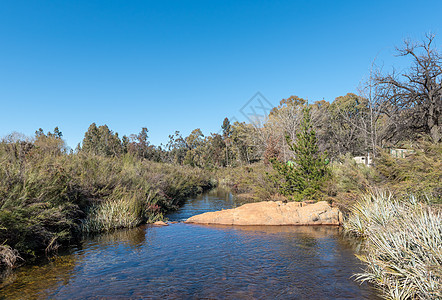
(160, 223)
(273, 213)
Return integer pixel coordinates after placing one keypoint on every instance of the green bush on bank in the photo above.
(420, 173)
(348, 181)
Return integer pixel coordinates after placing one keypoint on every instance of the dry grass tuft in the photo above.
(403, 245)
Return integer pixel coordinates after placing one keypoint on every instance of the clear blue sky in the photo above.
(181, 65)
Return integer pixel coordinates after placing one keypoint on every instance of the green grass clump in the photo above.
(403, 249)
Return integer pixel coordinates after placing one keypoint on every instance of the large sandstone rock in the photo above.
(273, 213)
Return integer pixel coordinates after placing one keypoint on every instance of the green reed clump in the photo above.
(403, 249)
(119, 211)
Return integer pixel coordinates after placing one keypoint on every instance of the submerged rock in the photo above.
(273, 213)
(160, 223)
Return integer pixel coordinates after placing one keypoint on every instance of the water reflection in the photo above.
(38, 282)
(188, 261)
(135, 237)
(214, 200)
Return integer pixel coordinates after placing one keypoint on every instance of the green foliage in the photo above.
(348, 181)
(101, 141)
(38, 200)
(419, 173)
(303, 180)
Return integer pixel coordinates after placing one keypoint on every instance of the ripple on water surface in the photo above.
(184, 261)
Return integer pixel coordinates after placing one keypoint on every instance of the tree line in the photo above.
(389, 108)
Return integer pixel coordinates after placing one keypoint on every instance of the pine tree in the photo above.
(303, 177)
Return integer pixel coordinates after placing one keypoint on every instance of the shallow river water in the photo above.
(186, 261)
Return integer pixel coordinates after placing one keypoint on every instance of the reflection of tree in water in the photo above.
(37, 282)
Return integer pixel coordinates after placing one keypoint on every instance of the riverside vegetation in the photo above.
(50, 196)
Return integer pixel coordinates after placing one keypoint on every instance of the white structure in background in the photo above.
(401, 153)
(366, 160)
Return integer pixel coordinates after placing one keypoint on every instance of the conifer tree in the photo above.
(302, 178)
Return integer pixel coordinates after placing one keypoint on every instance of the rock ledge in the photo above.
(273, 213)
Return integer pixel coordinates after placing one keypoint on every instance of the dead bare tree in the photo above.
(414, 97)
(373, 125)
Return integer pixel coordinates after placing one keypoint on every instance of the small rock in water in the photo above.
(160, 223)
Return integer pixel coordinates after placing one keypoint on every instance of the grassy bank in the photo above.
(48, 199)
(403, 248)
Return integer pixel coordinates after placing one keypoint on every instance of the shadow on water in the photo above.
(188, 261)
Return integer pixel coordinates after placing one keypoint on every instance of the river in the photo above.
(187, 261)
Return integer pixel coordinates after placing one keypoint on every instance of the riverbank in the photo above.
(50, 199)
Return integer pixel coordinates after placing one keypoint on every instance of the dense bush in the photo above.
(419, 173)
(348, 181)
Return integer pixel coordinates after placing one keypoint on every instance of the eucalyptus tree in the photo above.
(101, 141)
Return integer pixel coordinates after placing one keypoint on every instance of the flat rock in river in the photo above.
(273, 213)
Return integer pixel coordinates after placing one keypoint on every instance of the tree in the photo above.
(374, 125)
(348, 125)
(138, 144)
(283, 120)
(414, 97)
(303, 178)
(194, 142)
(176, 148)
(101, 141)
(226, 135)
(50, 143)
